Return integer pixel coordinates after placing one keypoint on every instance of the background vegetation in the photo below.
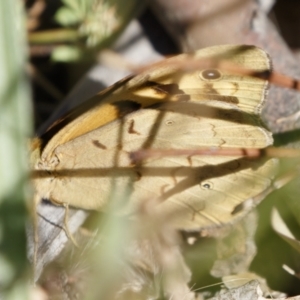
(50, 45)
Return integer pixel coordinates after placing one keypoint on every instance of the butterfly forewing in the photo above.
(168, 82)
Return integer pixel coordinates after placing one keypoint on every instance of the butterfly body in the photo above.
(86, 155)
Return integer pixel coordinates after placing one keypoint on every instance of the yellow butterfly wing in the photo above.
(165, 109)
(168, 83)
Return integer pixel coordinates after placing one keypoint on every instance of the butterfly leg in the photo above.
(66, 227)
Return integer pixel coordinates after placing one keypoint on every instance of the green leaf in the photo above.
(66, 17)
(66, 54)
(75, 5)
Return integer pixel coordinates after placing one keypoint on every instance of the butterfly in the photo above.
(83, 159)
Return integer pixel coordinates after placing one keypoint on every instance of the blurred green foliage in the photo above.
(15, 128)
(86, 27)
